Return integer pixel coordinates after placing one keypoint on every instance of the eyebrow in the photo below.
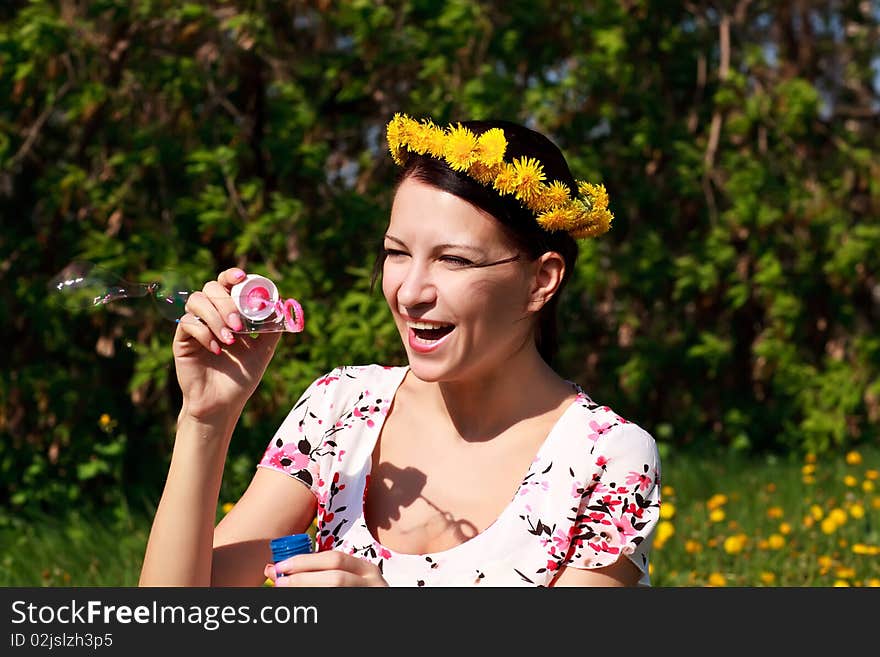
(441, 246)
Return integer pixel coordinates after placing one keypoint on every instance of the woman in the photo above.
(476, 462)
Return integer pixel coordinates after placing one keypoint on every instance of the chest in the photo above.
(429, 492)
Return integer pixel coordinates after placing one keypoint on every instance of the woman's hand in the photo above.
(327, 568)
(216, 370)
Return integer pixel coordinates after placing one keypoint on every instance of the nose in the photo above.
(417, 286)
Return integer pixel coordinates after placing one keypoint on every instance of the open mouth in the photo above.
(428, 333)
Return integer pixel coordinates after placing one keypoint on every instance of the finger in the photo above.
(191, 327)
(323, 578)
(203, 307)
(324, 561)
(224, 304)
(227, 279)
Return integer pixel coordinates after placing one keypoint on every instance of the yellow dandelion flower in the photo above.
(227, 507)
(712, 542)
(845, 572)
(872, 475)
(770, 488)
(717, 500)
(828, 526)
(557, 194)
(421, 137)
(767, 578)
(853, 458)
(665, 530)
(825, 562)
(868, 486)
(809, 479)
(774, 512)
(763, 544)
(776, 541)
(667, 491)
(875, 503)
(529, 176)
(734, 544)
(396, 134)
(105, 420)
(491, 146)
(717, 579)
(692, 547)
(850, 481)
(873, 582)
(484, 174)
(808, 521)
(716, 515)
(667, 510)
(841, 584)
(839, 515)
(810, 458)
(784, 528)
(860, 548)
(817, 512)
(505, 181)
(461, 148)
(808, 469)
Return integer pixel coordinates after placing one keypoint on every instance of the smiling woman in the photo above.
(476, 463)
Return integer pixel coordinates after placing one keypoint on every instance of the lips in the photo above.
(425, 336)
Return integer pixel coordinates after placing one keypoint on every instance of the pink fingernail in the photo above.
(215, 347)
(237, 274)
(234, 321)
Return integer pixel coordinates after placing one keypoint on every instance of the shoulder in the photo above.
(354, 381)
(609, 436)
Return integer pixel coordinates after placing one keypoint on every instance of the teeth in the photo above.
(426, 325)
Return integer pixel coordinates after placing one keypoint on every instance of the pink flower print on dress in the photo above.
(640, 478)
(598, 429)
(624, 527)
(288, 458)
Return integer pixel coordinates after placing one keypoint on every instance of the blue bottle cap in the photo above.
(288, 546)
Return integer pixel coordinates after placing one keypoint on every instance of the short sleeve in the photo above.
(298, 444)
(621, 505)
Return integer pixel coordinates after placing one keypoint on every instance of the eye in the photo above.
(456, 260)
(392, 253)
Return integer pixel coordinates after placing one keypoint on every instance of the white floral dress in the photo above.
(591, 494)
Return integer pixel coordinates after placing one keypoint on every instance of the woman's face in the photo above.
(456, 285)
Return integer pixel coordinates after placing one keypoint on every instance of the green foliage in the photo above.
(734, 302)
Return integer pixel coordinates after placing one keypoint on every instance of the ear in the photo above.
(549, 270)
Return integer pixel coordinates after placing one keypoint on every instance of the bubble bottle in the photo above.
(285, 547)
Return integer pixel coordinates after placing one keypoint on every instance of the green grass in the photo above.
(106, 549)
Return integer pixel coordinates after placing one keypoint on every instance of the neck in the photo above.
(482, 406)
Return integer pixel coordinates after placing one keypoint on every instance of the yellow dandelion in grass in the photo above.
(692, 547)
(667, 510)
(850, 481)
(784, 528)
(865, 550)
(767, 578)
(776, 541)
(817, 512)
(763, 544)
(461, 148)
(716, 515)
(841, 583)
(868, 486)
(491, 146)
(873, 582)
(665, 531)
(875, 503)
(505, 181)
(712, 542)
(717, 500)
(828, 526)
(808, 480)
(529, 176)
(825, 562)
(717, 579)
(810, 458)
(808, 469)
(808, 522)
(838, 515)
(857, 511)
(872, 475)
(227, 507)
(667, 491)
(770, 488)
(735, 544)
(853, 458)
(774, 512)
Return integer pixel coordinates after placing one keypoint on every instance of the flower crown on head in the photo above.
(482, 158)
